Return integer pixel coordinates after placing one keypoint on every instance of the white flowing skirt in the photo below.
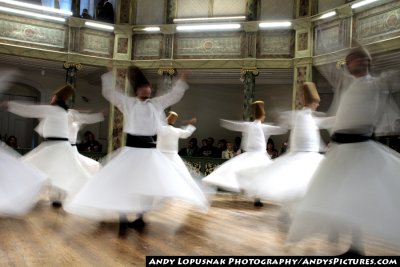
(90, 165)
(195, 177)
(285, 180)
(225, 176)
(20, 185)
(357, 185)
(131, 182)
(58, 160)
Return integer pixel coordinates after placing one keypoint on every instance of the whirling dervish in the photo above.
(286, 179)
(355, 188)
(54, 156)
(253, 143)
(139, 173)
(75, 121)
(20, 183)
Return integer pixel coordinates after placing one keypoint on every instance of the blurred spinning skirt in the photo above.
(58, 160)
(20, 185)
(225, 175)
(131, 181)
(356, 185)
(286, 179)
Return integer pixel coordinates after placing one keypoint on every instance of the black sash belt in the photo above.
(55, 139)
(141, 141)
(345, 138)
(73, 144)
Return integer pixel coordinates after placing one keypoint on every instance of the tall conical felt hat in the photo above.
(358, 52)
(64, 92)
(137, 78)
(172, 116)
(310, 93)
(258, 107)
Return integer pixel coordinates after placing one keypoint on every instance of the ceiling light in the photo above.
(276, 24)
(210, 19)
(99, 26)
(328, 15)
(31, 14)
(37, 7)
(362, 3)
(152, 29)
(211, 27)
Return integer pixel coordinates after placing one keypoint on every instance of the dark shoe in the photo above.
(123, 229)
(56, 204)
(137, 224)
(258, 203)
(353, 253)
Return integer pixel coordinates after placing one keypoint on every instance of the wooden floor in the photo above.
(233, 226)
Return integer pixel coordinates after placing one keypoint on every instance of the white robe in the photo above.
(134, 177)
(75, 121)
(56, 159)
(254, 143)
(20, 185)
(167, 142)
(357, 184)
(286, 179)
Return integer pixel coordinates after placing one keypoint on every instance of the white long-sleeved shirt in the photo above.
(142, 117)
(53, 119)
(364, 103)
(168, 137)
(305, 135)
(76, 119)
(254, 133)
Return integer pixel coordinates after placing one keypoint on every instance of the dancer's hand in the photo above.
(192, 121)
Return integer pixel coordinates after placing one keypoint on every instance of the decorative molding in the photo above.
(275, 43)
(68, 65)
(253, 71)
(122, 47)
(147, 46)
(331, 36)
(209, 46)
(166, 71)
(26, 32)
(95, 42)
(374, 26)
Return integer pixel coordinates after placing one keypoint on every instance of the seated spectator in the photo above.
(209, 150)
(228, 153)
(236, 147)
(272, 152)
(192, 150)
(284, 148)
(12, 141)
(90, 144)
(221, 145)
(85, 14)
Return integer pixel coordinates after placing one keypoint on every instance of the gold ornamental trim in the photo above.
(168, 71)
(68, 65)
(253, 71)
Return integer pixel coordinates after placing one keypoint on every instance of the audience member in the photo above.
(209, 150)
(228, 153)
(221, 145)
(105, 11)
(284, 148)
(236, 148)
(12, 141)
(272, 152)
(85, 14)
(192, 150)
(90, 144)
